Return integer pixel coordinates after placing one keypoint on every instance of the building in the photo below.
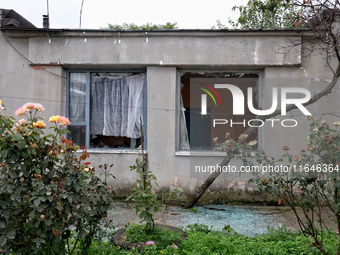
(77, 72)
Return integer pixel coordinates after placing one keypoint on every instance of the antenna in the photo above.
(48, 9)
(81, 12)
(46, 22)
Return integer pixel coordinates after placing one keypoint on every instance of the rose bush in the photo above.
(47, 196)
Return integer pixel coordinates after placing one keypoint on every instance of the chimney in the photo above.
(46, 22)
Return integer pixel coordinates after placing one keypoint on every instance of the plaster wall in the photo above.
(163, 55)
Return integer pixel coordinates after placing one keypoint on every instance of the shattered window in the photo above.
(206, 111)
(106, 110)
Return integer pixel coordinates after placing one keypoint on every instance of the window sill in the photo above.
(204, 154)
(200, 154)
(115, 151)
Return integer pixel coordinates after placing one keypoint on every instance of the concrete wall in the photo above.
(163, 55)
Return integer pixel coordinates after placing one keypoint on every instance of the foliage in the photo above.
(241, 150)
(161, 236)
(308, 182)
(147, 26)
(48, 194)
(106, 172)
(312, 183)
(200, 228)
(267, 14)
(194, 210)
(175, 193)
(143, 195)
(280, 241)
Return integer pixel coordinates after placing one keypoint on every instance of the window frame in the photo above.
(86, 123)
(181, 72)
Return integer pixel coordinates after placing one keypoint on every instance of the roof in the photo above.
(18, 26)
(12, 19)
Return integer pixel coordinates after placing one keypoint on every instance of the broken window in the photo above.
(106, 109)
(197, 129)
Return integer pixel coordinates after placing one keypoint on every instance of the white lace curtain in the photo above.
(117, 106)
(184, 139)
(183, 132)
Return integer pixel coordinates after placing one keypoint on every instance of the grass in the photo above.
(201, 240)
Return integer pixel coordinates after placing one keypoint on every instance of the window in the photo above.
(106, 109)
(197, 131)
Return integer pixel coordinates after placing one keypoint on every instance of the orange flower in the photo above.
(63, 139)
(20, 111)
(285, 148)
(264, 180)
(310, 117)
(29, 107)
(252, 143)
(64, 121)
(243, 136)
(282, 200)
(38, 176)
(54, 118)
(39, 124)
(60, 120)
(38, 107)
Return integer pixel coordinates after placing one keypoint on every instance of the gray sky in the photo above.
(97, 13)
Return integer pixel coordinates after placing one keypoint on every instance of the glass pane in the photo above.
(77, 134)
(77, 96)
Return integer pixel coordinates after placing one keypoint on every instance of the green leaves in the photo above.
(312, 183)
(3, 240)
(147, 26)
(17, 137)
(146, 200)
(268, 14)
(43, 187)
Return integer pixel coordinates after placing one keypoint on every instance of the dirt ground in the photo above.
(289, 218)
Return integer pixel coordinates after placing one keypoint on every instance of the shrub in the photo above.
(48, 194)
(308, 181)
(143, 195)
(312, 184)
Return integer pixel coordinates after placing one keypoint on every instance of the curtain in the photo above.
(183, 139)
(117, 106)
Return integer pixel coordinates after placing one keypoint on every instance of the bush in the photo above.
(48, 194)
(313, 184)
(145, 198)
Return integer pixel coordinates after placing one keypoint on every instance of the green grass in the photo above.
(202, 240)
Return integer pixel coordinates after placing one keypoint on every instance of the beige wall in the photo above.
(163, 55)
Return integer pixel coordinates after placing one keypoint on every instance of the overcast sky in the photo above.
(188, 14)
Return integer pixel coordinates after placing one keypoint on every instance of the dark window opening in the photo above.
(196, 130)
